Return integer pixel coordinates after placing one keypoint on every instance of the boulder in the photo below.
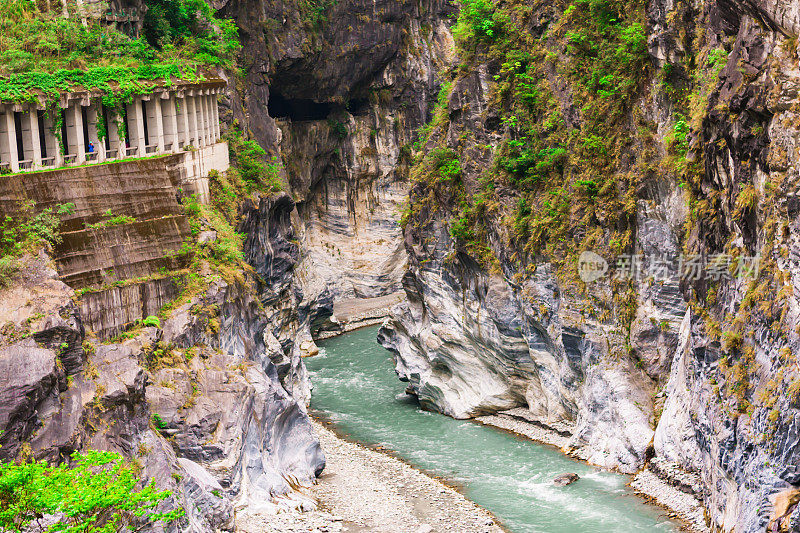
(565, 479)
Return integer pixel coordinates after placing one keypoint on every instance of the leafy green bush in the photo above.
(151, 322)
(338, 128)
(158, 421)
(250, 161)
(461, 230)
(9, 266)
(28, 229)
(42, 51)
(444, 164)
(315, 12)
(679, 137)
(477, 22)
(96, 493)
(193, 26)
(590, 187)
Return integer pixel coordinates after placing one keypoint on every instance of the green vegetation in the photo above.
(151, 322)
(314, 12)
(251, 166)
(158, 422)
(95, 492)
(26, 232)
(43, 53)
(478, 22)
(551, 188)
(113, 220)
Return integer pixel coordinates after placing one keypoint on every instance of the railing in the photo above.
(93, 157)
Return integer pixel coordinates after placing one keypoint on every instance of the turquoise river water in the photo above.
(356, 387)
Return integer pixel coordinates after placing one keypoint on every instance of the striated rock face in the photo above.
(700, 372)
(338, 108)
(199, 402)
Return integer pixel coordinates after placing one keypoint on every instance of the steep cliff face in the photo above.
(337, 108)
(198, 402)
(676, 143)
(213, 402)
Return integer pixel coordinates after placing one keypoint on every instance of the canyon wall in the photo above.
(338, 108)
(211, 398)
(689, 155)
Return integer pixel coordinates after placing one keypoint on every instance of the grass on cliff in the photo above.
(554, 185)
(43, 52)
(26, 232)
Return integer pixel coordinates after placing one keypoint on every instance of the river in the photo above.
(356, 388)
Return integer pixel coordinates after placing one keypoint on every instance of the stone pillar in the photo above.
(158, 125)
(25, 150)
(215, 116)
(51, 137)
(136, 127)
(210, 114)
(32, 117)
(194, 119)
(207, 116)
(116, 145)
(94, 117)
(75, 141)
(172, 121)
(184, 132)
(201, 120)
(11, 139)
(204, 113)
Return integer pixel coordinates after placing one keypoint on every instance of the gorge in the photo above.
(576, 221)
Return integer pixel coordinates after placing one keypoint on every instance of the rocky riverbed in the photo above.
(366, 490)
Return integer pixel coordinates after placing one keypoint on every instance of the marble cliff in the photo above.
(466, 153)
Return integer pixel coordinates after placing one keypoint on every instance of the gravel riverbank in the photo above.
(365, 490)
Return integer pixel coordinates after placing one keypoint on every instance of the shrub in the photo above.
(476, 22)
(96, 493)
(9, 266)
(589, 187)
(679, 138)
(151, 322)
(338, 128)
(462, 231)
(158, 421)
(443, 163)
(249, 160)
(29, 229)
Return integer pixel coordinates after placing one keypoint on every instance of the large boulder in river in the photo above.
(565, 479)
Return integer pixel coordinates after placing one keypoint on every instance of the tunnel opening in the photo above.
(359, 106)
(298, 110)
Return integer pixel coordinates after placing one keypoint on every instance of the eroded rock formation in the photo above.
(701, 373)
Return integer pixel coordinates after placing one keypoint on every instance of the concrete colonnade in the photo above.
(164, 121)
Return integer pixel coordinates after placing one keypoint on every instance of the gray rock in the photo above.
(565, 479)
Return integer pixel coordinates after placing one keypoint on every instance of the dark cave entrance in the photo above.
(298, 110)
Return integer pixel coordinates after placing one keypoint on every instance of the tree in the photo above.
(95, 493)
